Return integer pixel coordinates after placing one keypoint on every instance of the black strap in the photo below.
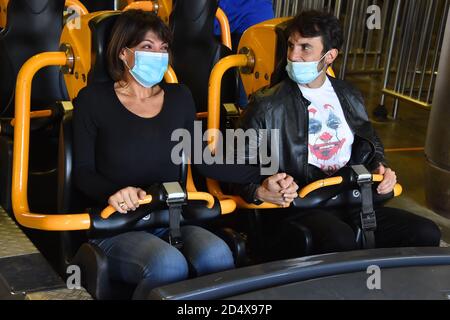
(368, 217)
(174, 225)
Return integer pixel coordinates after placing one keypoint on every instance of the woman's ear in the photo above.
(123, 54)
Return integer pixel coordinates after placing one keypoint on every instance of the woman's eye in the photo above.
(333, 121)
(314, 126)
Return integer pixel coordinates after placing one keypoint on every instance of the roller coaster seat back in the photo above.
(195, 50)
(33, 26)
(86, 44)
(263, 39)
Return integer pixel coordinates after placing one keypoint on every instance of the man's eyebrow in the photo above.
(300, 44)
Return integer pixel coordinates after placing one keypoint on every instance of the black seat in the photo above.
(196, 50)
(33, 26)
(279, 74)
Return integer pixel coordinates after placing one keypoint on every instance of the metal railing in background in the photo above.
(414, 51)
(364, 46)
(286, 8)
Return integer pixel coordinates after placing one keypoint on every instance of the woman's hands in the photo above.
(126, 199)
(279, 189)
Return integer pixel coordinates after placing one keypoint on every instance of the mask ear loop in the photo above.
(325, 66)
(125, 61)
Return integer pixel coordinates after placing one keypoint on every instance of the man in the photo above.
(323, 126)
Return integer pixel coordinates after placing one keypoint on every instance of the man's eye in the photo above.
(333, 121)
(314, 126)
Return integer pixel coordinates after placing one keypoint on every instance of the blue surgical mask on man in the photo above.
(304, 72)
(149, 67)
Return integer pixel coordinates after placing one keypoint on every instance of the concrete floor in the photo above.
(407, 131)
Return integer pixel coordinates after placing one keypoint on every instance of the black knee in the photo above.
(425, 233)
(336, 240)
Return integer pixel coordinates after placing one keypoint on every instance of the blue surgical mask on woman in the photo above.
(304, 72)
(149, 67)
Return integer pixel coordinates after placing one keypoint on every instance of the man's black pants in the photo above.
(334, 231)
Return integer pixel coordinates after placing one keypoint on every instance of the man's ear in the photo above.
(331, 56)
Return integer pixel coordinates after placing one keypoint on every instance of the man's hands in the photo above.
(389, 180)
(279, 189)
(126, 199)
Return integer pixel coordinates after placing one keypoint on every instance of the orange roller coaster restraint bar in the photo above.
(224, 28)
(214, 88)
(21, 152)
(36, 114)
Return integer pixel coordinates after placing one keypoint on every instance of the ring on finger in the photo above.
(122, 205)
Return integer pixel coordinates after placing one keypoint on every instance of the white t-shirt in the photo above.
(330, 137)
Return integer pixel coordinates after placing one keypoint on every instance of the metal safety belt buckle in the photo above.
(363, 175)
(175, 193)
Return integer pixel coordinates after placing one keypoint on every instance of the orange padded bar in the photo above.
(319, 184)
(224, 28)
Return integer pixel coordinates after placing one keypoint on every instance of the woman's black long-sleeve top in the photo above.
(115, 148)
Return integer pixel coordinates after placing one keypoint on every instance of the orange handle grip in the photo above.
(202, 196)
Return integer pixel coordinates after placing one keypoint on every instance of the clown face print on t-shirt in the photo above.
(329, 139)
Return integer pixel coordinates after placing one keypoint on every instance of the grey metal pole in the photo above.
(348, 40)
(420, 49)
(278, 7)
(427, 54)
(381, 109)
(384, 14)
(337, 8)
(437, 147)
(436, 54)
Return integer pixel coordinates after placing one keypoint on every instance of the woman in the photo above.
(122, 135)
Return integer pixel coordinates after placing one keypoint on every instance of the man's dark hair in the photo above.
(311, 24)
(128, 31)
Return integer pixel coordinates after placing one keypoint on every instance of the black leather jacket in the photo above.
(283, 107)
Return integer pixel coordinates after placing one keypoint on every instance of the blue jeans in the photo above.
(143, 259)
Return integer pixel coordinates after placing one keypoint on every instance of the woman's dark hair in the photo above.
(129, 30)
(311, 24)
